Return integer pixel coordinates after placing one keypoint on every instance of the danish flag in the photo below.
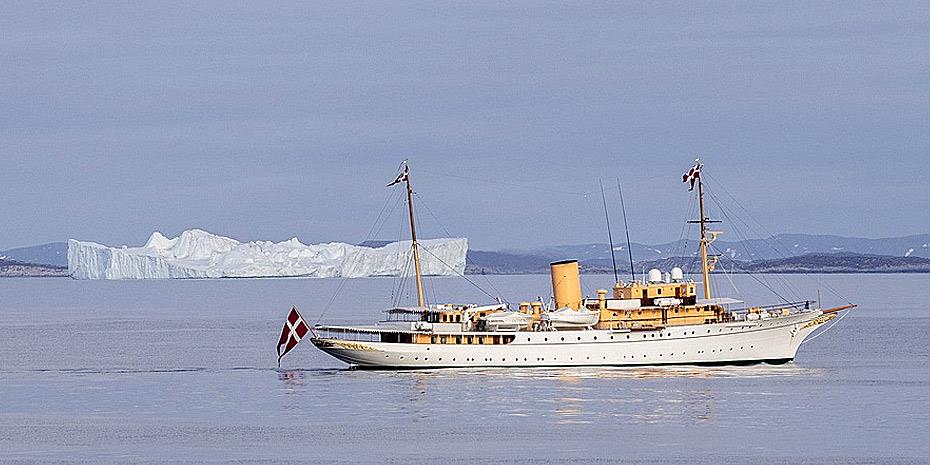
(693, 174)
(294, 330)
(403, 176)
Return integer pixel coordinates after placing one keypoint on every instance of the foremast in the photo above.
(404, 177)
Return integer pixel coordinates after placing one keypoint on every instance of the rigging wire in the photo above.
(449, 234)
(380, 221)
(773, 242)
(734, 221)
(828, 328)
(462, 275)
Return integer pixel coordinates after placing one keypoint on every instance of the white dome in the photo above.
(677, 275)
(655, 276)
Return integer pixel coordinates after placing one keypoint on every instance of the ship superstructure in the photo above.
(654, 321)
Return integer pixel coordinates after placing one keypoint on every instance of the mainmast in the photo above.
(707, 237)
(404, 176)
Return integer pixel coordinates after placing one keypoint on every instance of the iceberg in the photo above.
(200, 254)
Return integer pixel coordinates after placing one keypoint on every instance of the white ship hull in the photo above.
(775, 341)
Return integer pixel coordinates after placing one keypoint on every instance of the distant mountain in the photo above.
(481, 262)
(494, 263)
(12, 268)
(840, 263)
(54, 253)
(778, 246)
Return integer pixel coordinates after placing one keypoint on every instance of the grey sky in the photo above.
(266, 120)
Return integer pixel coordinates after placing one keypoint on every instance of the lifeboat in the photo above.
(507, 321)
(570, 318)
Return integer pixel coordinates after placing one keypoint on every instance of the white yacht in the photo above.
(656, 321)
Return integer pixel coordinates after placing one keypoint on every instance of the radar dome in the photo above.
(655, 276)
(677, 275)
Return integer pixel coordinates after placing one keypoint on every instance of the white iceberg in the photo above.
(199, 254)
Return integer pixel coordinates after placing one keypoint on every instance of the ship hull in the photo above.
(774, 341)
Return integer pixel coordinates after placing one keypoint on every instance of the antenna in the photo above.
(629, 248)
(613, 259)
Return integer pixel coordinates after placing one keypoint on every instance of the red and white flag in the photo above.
(693, 174)
(403, 176)
(294, 330)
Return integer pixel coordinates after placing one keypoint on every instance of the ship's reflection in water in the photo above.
(683, 395)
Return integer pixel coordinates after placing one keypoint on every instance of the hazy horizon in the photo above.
(273, 121)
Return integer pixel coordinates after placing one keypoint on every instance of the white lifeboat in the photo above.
(507, 321)
(569, 318)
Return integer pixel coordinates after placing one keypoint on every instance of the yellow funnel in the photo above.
(566, 286)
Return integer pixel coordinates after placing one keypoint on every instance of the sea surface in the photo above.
(184, 371)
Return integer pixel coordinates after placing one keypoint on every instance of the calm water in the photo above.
(184, 372)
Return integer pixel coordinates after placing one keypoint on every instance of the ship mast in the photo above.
(707, 237)
(404, 176)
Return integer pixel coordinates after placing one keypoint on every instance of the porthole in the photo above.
(545, 339)
(611, 338)
(579, 338)
(595, 338)
(563, 338)
(527, 339)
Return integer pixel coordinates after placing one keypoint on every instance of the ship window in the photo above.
(458, 339)
(563, 338)
(432, 340)
(595, 338)
(458, 318)
(579, 338)
(659, 291)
